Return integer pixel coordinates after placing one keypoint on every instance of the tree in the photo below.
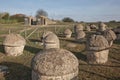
(41, 12)
(67, 19)
(18, 17)
(5, 16)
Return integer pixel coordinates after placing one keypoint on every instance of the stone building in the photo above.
(43, 20)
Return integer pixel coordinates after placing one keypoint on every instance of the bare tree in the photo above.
(41, 12)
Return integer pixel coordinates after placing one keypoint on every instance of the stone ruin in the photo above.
(50, 40)
(79, 33)
(110, 36)
(88, 28)
(68, 33)
(102, 27)
(117, 32)
(14, 44)
(97, 49)
(54, 64)
(92, 26)
(78, 27)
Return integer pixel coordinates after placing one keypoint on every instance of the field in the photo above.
(20, 67)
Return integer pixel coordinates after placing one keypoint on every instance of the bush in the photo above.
(67, 19)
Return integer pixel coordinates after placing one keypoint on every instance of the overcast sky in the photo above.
(79, 10)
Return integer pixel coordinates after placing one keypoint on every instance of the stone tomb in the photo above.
(54, 64)
(97, 49)
(50, 40)
(14, 44)
(68, 33)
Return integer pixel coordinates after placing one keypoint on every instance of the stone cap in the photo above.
(14, 40)
(101, 24)
(109, 35)
(67, 32)
(78, 27)
(55, 62)
(50, 37)
(97, 42)
(80, 34)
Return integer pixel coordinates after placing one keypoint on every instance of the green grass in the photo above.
(20, 67)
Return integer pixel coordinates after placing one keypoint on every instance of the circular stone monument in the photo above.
(67, 33)
(80, 35)
(78, 27)
(97, 49)
(110, 36)
(14, 44)
(50, 40)
(102, 27)
(54, 64)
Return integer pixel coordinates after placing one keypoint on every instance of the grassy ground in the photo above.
(20, 67)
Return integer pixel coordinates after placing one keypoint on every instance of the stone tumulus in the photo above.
(50, 40)
(54, 64)
(102, 27)
(78, 27)
(68, 33)
(80, 35)
(14, 44)
(110, 36)
(97, 49)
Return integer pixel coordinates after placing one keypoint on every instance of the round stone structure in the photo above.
(117, 32)
(102, 27)
(50, 40)
(78, 27)
(68, 33)
(110, 36)
(54, 64)
(14, 44)
(88, 28)
(97, 49)
(80, 35)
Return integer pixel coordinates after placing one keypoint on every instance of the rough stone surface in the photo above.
(80, 35)
(97, 42)
(14, 40)
(102, 27)
(68, 33)
(88, 28)
(14, 44)
(110, 36)
(92, 26)
(97, 49)
(78, 27)
(50, 40)
(100, 57)
(3, 70)
(117, 32)
(54, 64)
(71, 45)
